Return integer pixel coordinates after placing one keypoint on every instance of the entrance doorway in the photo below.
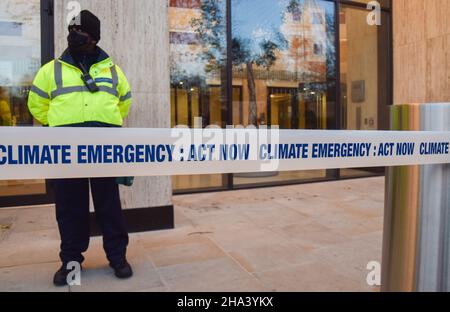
(304, 107)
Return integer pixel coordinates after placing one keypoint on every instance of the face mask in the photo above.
(77, 40)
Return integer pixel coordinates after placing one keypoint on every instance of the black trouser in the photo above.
(72, 214)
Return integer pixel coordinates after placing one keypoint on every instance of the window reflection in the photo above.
(198, 72)
(283, 71)
(20, 46)
(284, 59)
(19, 59)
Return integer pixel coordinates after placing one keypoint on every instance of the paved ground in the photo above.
(314, 237)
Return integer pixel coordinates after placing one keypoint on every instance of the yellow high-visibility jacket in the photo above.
(59, 96)
(5, 114)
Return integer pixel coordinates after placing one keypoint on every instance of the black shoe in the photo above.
(122, 270)
(60, 277)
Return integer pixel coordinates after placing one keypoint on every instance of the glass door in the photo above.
(284, 59)
(364, 61)
(313, 106)
(192, 106)
(198, 75)
(20, 59)
(282, 103)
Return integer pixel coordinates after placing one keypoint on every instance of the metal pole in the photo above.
(416, 251)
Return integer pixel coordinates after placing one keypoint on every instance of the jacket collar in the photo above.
(66, 57)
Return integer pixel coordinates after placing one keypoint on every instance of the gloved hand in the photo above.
(126, 181)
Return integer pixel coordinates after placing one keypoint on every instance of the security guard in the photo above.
(84, 88)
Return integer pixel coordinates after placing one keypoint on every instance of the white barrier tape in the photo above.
(37, 153)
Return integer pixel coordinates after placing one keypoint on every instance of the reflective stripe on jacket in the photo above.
(59, 96)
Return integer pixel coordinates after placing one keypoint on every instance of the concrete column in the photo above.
(421, 51)
(135, 34)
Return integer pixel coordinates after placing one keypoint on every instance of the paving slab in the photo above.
(310, 237)
(30, 278)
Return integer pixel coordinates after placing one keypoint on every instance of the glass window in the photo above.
(364, 83)
(284, 61)
(198, 69)
(20, 46)
(284, 72)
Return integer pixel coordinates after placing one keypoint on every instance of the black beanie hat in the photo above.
(89, 24)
